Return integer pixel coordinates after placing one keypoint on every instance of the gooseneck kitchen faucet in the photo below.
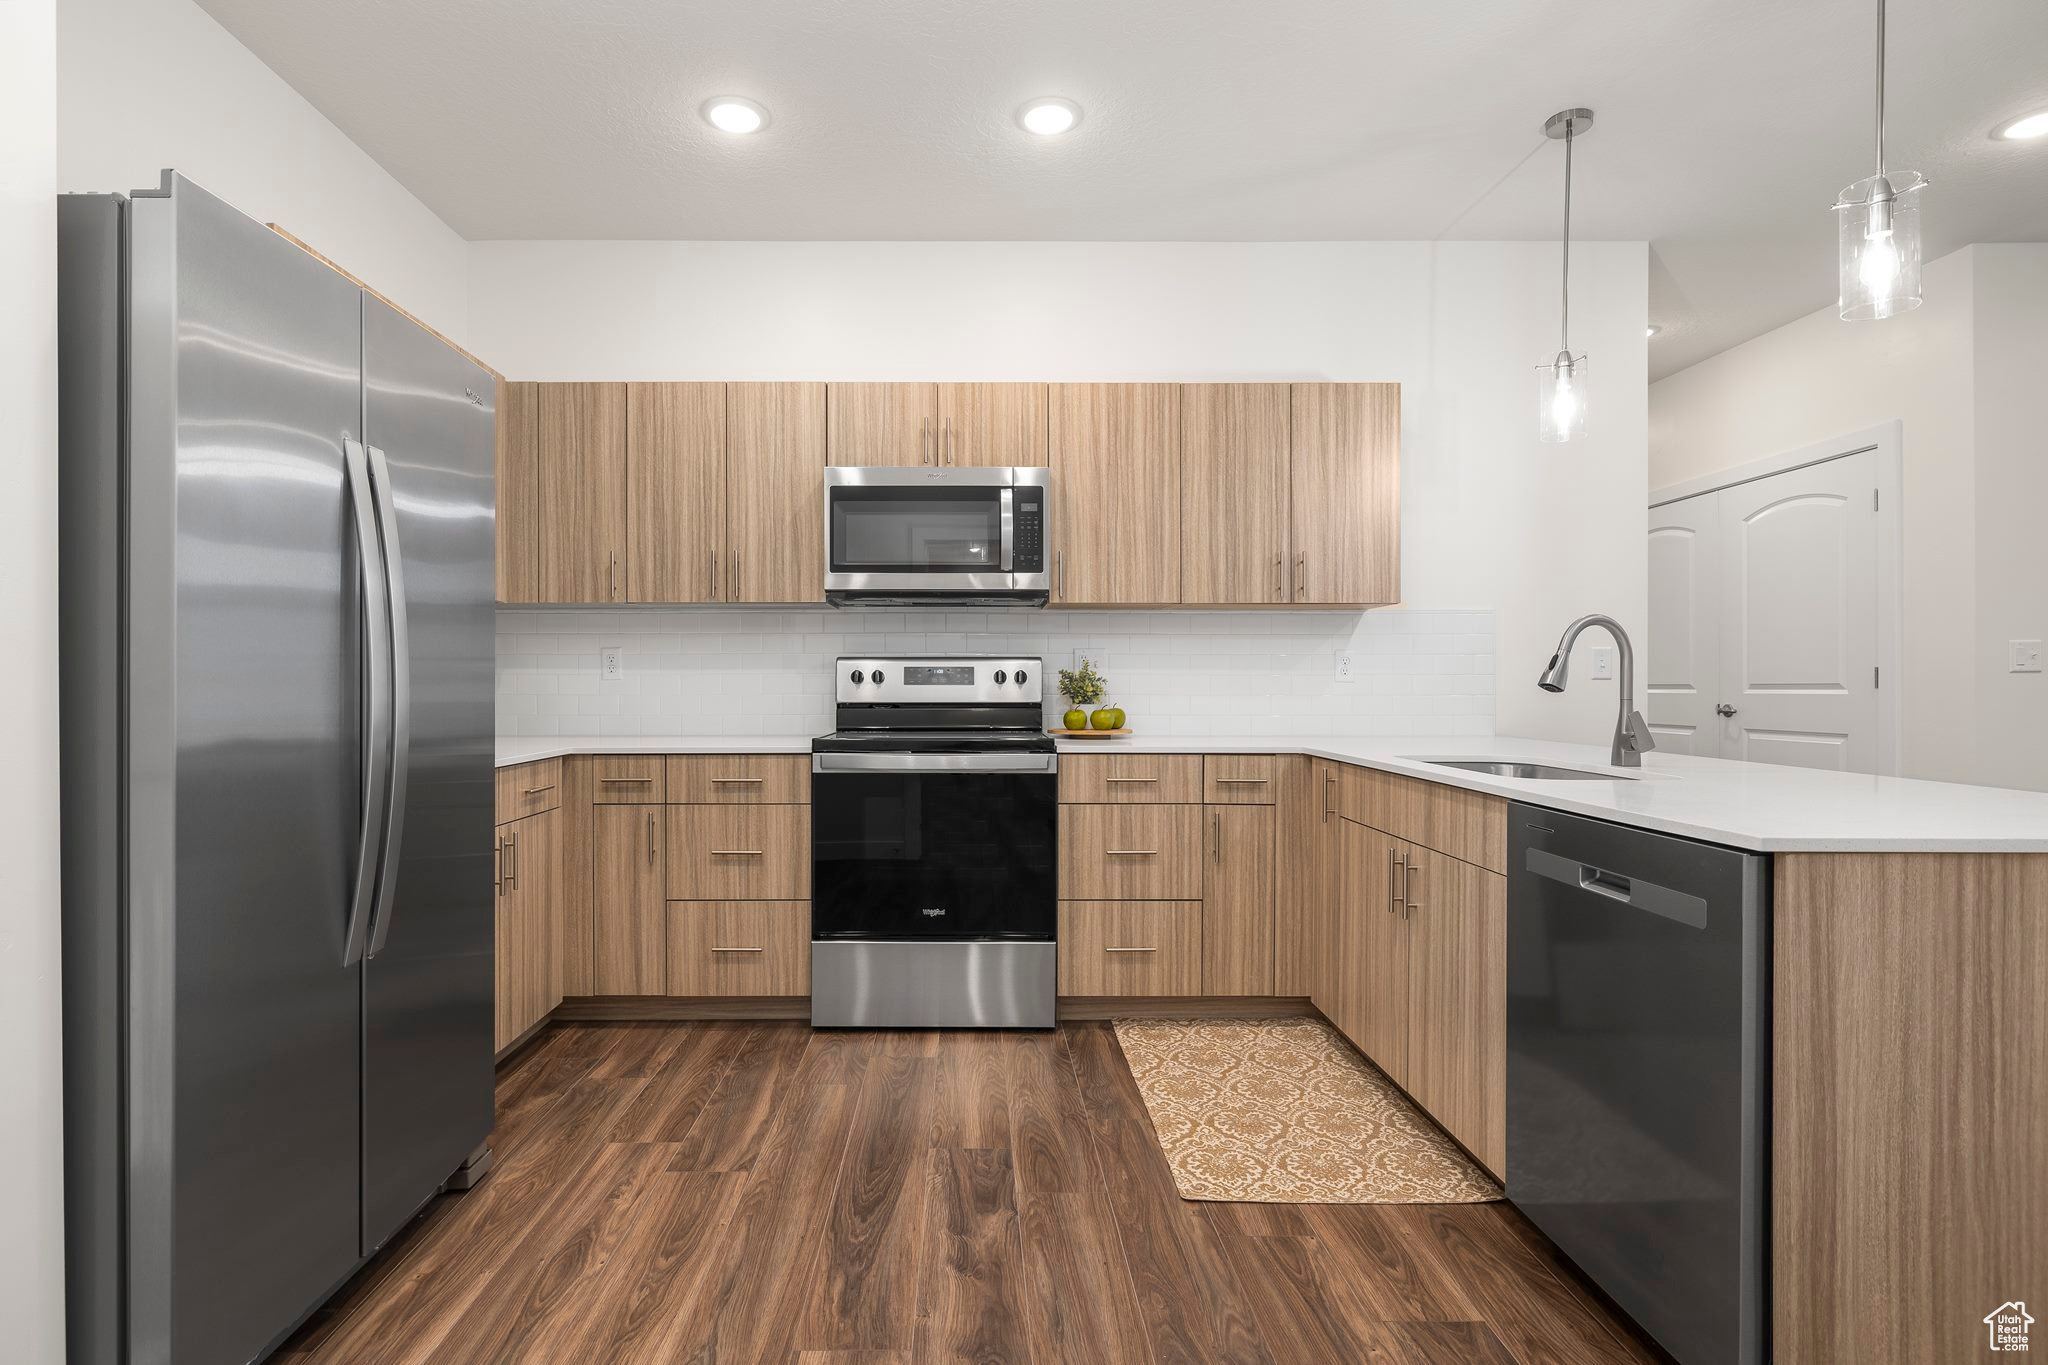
(1632, 738)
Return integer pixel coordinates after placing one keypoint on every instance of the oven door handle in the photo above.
(935, 763)
(1009, 522)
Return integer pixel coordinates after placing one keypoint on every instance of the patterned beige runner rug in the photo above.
(1282, 1111)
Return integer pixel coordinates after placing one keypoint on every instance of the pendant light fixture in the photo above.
(1561, 385)
(1880, 230)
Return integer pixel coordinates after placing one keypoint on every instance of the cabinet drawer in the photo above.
(529, 789)
(1131, 853)
(626, 779)
(1138, 779)
(1241, 779)
(739, 947)
(739, 853)
(1467, 825)
(728, 779)
(1130, 947)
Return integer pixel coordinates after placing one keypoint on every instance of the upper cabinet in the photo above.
(1346, 458)
(580, 497)
(1163, 494)
(675, 492)
(1235, 526)
(775, 492)
(1116, 481)
(518, 489)
(882, 424)
(992, 424)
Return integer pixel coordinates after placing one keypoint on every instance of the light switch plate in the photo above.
(611, 663)
(1603, 661)
(1344, 671)
(2026, 656)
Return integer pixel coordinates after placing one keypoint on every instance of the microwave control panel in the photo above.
(1027, 548)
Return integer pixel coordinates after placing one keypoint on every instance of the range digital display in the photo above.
(926, 675)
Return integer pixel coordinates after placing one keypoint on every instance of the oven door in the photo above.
(935, 846)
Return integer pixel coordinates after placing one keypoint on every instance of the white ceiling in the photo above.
(1724, 128)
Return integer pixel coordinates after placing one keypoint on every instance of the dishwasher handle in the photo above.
(1633, 892)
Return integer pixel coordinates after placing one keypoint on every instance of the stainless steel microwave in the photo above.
(898, 536)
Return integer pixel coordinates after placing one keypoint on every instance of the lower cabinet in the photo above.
(739, 947)
(1237, 901)
(1419, 979)
(1130, 947)
(528, 900)
(629, 904)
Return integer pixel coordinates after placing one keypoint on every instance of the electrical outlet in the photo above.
(611, 663)
(2026, 656)
(1344, 673)
(1603, 661)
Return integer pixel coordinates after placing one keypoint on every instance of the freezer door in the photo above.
(427, 1024)
(243, 703)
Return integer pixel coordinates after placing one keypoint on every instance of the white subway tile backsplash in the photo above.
(692, 671)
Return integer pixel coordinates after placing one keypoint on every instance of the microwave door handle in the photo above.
(1009, 519)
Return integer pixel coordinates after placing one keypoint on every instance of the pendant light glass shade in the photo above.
(1880, 247)
(1561, 399)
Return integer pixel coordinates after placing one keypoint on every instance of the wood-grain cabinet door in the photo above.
(739, 948)
(1237, 901)
(1346, 473)
(1372, 949)
(541, 881)
(739, 852)
(518, 469)
(1457, 998)
(626, 864)
(881, 424)
(582, 492)
(775, 492)
(992, 425)
(1235, 494)
(1116, 493)
(509, 940)
(675, 499)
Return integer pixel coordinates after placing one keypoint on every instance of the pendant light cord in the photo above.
(1880, 88)
(1565, 332)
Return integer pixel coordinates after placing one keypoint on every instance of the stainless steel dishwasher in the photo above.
(1638, 1071)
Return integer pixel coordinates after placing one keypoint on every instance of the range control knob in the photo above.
(859, 677)
(876, 675)
(1001, 677)
(1022, 677)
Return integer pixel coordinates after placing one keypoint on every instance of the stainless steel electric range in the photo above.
(935, 847)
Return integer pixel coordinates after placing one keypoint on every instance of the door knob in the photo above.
(1724, 709)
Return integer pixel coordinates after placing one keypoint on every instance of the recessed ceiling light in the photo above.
(2024, 127)
(1652, 330)
(1049, 117)
(732, 114)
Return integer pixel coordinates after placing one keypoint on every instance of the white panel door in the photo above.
(1799, 592)
(1685, 626)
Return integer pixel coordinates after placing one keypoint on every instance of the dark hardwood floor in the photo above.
(737, 1193)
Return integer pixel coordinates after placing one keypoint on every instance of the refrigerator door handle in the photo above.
(377, 710)
(401, 698)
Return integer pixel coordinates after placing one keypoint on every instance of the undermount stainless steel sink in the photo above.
(1541, 772)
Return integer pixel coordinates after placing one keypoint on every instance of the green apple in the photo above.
(1076, 719)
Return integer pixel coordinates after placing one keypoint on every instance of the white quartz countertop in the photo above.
(1756, 806)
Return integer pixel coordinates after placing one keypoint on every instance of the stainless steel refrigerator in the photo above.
(277, 526)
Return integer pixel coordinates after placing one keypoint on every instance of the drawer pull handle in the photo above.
(625, 779)
(536, 791)
(1130, 779)
(737, 779)
(735, 852)
(1130, 950)
(1242, 781)
(737, 950)
(1132, 852)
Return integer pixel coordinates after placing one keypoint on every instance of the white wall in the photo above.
(2010, 346)
(691, 671)
(1962, 375)
(146, 84)
(31, 1165)
(1491, 519)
